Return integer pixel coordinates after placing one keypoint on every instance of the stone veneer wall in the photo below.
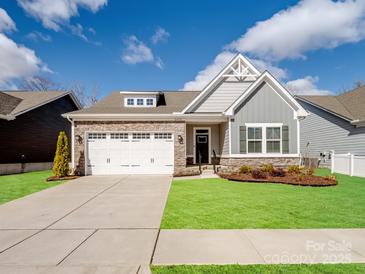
(81, 127)
(235, 163)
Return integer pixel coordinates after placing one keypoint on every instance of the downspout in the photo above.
(72, 143)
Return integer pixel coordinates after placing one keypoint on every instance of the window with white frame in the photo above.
(265, 138)
(140, 102)
(254, 140)
(149, 102)
(273, 139)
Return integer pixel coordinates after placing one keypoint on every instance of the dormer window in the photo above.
(139, 101)
(149, 102)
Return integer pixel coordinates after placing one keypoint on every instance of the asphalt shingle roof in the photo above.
(350, 105)
(114, 104)
(31, 99)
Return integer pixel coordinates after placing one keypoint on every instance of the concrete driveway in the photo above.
(93, 224)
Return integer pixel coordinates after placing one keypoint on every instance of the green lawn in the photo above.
(220, 204)
(19, 185)
(262, 269)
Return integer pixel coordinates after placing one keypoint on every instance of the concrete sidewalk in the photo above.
(260, 246)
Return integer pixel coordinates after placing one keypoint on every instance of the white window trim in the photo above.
(264, 139)
(144, 104)
(209, 142)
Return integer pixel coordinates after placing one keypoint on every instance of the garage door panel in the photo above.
(131, 153)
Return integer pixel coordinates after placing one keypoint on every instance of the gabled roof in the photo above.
(169, 102)
(8, 103)
(277, 86)
(239, 67)
(24, 101)
(349, 106)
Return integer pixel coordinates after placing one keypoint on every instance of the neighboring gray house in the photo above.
(334, 123)
(242, 116)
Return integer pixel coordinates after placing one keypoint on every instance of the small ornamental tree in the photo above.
(61, 160)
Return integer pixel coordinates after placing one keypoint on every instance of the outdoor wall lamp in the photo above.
(180, 139)
(79, 139)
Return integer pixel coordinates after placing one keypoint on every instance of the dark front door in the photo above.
(202, 146)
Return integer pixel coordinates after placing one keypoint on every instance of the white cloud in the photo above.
(92, 30)
(290, 33)
(262, 65)
(161, 35)
(309, 25)
(54, 13)
(306, 86)
(221, 60)
(136, 51)
(17, 61)
(78, 30)
(206, 75)
(6, 23)
(38, 36)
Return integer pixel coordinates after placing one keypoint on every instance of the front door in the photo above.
(202, 146)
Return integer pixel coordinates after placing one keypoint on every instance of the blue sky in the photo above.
(316, 46)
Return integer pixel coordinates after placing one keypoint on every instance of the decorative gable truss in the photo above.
(239, 69)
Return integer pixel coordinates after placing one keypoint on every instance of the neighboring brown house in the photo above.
(30, 123)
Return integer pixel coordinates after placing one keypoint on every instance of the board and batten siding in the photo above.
(264, 105)
(222, 97)
(326, 132)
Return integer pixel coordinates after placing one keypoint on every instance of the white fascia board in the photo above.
(147, 117)
(218, 78)
(139, 92)
(275, 84)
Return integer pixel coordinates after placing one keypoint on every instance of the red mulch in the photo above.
(289, 179)
(57, 178)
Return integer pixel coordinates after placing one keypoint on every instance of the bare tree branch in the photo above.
(86, 99)
(38, 83)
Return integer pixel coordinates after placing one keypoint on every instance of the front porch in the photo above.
(209, 140)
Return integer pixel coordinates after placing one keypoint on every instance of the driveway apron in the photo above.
(96, 223)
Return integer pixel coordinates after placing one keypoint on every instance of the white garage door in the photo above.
(130, 153)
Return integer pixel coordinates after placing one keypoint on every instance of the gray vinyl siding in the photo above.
(222, 96)
(326, 132)
(264, 106)
(224, 138)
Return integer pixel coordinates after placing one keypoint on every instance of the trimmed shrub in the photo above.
(61, 160)
(308, 171)
(258, 174)
(279, 172)
(245, 169)
(294, 169)
(267, 168)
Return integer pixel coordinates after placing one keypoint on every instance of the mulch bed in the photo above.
(289, 179)
(56, 178)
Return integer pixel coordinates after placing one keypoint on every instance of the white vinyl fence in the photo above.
(349, 164)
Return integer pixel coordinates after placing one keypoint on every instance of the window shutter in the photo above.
(285, 139)
(242, 139)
